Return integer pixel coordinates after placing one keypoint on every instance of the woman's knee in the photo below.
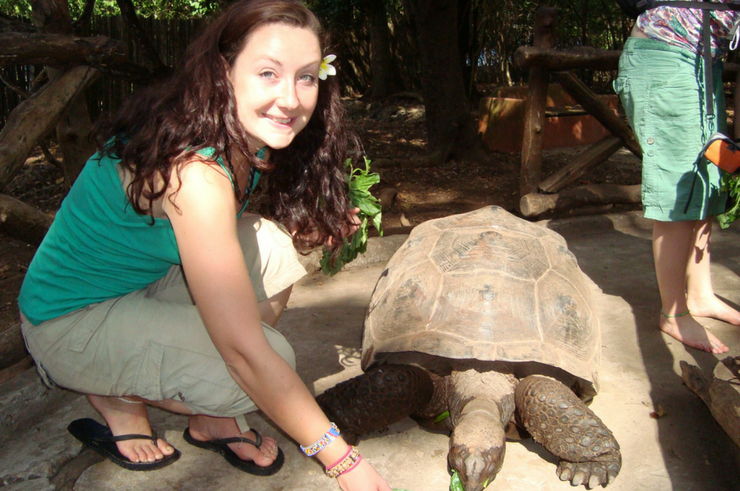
(280, 345)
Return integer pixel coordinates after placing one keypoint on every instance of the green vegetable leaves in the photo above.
(359, 181)
(456, 483)
(730, 184)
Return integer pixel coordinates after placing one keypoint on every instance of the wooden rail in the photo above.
(544, 63)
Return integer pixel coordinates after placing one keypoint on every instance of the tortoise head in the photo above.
(475, 466)
(477, 450)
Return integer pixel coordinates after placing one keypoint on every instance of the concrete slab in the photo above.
(684, 450)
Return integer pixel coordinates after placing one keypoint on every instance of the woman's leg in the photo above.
(129, 415)
(152, 347)
(126, 417)
(699, 292)
(673, 243)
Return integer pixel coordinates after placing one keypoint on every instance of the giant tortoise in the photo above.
(486, 316)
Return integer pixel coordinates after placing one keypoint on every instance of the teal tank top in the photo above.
(97, 248)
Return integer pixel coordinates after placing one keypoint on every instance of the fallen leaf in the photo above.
(658, 413)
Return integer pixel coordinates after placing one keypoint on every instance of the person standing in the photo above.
(661, 86)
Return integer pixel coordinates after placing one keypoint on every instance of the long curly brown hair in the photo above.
(161, 127)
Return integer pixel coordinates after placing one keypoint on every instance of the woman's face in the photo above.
(276, 83)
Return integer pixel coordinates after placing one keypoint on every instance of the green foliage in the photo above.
(490, 30)
(160, 9)
(16, 8)
(359, 181)
(456, 483)
(730, 185)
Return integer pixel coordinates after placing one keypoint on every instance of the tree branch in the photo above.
(59, 50)
(35, 117)
(82, 24)
(128, 12)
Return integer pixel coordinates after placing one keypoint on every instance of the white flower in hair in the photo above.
(326, 68)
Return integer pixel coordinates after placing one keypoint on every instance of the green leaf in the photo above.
(359, 182)
(730, 185)
(456, 483)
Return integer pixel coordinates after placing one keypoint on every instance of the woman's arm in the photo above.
(203, 216)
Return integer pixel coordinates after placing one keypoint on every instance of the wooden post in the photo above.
(534, 113)
(535, 204)
(603, 114)
(12, 347)
(592, 156)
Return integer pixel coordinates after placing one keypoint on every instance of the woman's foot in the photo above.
(207, 428)
(125, 417)
(691, 333)
(715, 308)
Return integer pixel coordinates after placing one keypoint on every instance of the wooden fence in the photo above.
(169, 36)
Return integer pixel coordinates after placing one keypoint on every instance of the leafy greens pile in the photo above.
(731, 185)
(359, 181)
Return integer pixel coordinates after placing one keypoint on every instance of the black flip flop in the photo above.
(99, 437)
(221, 446)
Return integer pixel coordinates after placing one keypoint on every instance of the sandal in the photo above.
(99, 438)
(221, 446)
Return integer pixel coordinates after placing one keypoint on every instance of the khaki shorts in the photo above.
(152, 342)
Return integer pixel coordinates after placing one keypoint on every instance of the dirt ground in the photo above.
(392, 129)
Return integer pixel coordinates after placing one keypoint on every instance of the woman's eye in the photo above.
(307, 78)
(267, 74)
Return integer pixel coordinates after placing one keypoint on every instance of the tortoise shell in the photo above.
(485, 286)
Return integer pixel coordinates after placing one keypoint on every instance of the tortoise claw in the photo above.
(565, 426)
(589, 474)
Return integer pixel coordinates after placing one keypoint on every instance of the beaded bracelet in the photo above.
(348, 462)
(322, 442)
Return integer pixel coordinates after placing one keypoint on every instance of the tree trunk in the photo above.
(74, 125)
(720, 393)
(535, 204)
(73, 136)
(385, 79)
(12, 348)
(128, 12)
(23, 221)
(451, 128)
(36, 116)
(59, 50)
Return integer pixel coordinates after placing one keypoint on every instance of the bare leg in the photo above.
(206, 428)
(700, 295)
(130, 418)
(672, 244)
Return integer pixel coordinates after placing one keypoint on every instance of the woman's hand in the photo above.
(354, 225)
(347, 229)
(364, 477)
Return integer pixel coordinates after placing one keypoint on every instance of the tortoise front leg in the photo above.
(589, 454)
(376, 399)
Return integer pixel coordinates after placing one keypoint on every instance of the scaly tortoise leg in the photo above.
(559, 421)
(376, 399)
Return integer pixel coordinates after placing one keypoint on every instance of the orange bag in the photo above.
(723, 152)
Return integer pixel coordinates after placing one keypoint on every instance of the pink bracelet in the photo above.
(348, 463)
(349, 451)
